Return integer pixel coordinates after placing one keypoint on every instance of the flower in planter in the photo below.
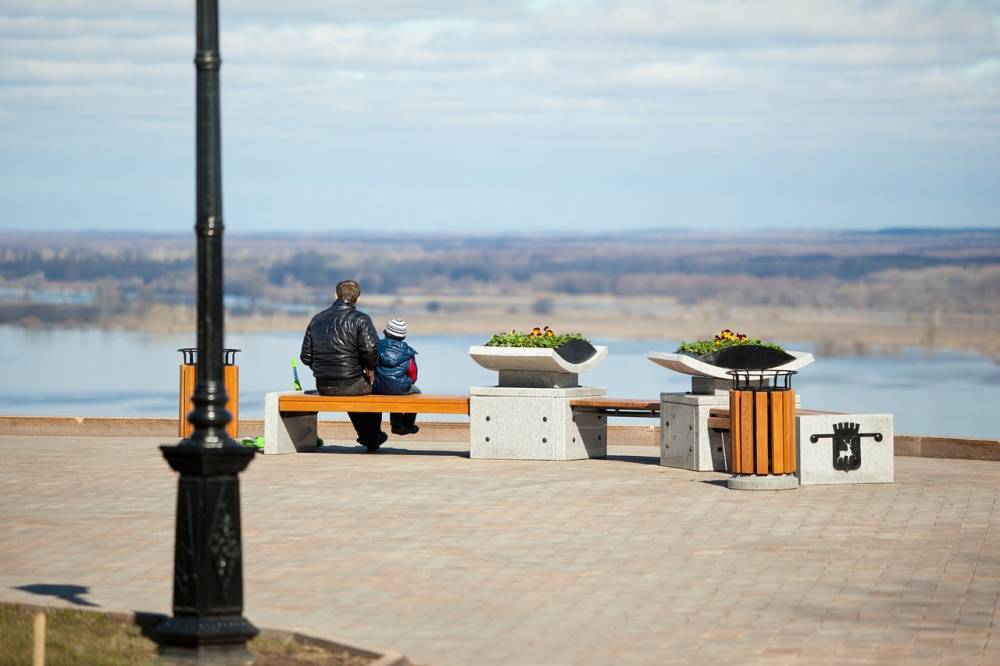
(536, 337)
(724, 338)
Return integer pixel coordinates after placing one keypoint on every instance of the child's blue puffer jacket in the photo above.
(391, 376)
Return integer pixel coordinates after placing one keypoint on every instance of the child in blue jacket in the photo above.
(396, 373)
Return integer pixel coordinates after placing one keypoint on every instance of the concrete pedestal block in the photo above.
(685, 438)
(289, 432)
(538, 379)
(845, 448)
(509, 423)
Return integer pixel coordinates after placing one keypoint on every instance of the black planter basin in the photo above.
(576, 351)
(747, 357)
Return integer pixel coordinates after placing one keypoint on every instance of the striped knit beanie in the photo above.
(396, 328)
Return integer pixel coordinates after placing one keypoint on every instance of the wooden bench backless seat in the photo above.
(418, 403)
(718, 417)
(618, 406)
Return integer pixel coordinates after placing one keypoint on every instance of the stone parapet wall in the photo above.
(957, 448)
(430, 431)
(922, 446)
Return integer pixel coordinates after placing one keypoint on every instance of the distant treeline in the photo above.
(86, 265)
(911, 269)
(389, 275)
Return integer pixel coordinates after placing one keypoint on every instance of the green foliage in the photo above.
(724, 339)
(88, 637)
(516, 339)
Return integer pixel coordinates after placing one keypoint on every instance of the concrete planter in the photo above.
(527, 416)
(708, 379)
(534, 367)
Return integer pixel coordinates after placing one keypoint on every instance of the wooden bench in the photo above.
(290, 421)
(411, 404)
(290, 418)
(631, 407)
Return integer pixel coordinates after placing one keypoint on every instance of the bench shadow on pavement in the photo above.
(399, 450)
(642, 460)
(387, 450)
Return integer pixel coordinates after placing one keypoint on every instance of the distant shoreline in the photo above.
(834, 333)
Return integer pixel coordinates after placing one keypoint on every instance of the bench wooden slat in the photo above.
(616, 403)
(413, 404)
(718, 422)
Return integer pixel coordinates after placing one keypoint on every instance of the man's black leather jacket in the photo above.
(340, 343)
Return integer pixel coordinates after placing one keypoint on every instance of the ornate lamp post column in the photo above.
(208, 624)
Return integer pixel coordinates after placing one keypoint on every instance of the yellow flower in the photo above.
(549, 333)
(535, 332)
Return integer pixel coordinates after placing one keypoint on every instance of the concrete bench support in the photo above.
(686, 441)
(509, 423)
(289, 432)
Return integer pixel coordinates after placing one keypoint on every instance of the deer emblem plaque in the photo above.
(846, 445)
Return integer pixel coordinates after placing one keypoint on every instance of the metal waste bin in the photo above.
(762, 430)
(188, 379)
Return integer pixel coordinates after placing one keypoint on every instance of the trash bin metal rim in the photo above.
(743, 380)
(190, 355)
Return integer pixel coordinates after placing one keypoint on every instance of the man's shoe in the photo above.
(373, 448)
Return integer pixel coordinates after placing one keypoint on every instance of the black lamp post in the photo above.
(207, 625)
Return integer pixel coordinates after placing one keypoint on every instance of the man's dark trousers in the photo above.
(368, 425)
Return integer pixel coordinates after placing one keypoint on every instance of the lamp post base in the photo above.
(207, 626)
(213, 640)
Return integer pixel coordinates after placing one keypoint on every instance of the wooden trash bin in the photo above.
(188, 379)
(762, 423)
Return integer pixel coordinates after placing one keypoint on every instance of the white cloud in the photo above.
(642, 75)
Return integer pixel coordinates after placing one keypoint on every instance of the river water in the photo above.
(117, 373)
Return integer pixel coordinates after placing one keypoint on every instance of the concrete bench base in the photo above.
(686, 441)
(289, 432)
(509, 423)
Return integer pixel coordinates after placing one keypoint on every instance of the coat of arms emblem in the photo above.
(847, 445)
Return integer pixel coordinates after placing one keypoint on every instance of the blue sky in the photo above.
(489, 117)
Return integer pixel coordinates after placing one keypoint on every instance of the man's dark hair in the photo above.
(348, 291)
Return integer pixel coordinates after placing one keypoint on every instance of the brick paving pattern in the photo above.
(456, 561)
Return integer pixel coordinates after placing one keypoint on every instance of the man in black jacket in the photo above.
(341, 348)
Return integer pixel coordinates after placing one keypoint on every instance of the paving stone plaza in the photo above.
(457, 561)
